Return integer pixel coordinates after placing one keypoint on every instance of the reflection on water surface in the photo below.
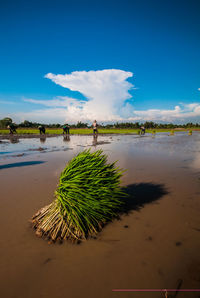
(160, 146)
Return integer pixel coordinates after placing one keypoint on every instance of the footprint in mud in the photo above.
(126, 226)
(178, 243)
(47, 261)
(149, 238)
(196, 229)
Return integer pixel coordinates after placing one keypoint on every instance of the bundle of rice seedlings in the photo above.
(88, 195)
(172, 133)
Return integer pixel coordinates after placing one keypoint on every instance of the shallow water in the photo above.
(161, 145)
(155, 244)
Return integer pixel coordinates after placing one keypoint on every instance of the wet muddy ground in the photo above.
(154, 245)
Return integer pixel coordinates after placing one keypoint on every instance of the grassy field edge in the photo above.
(87, 131)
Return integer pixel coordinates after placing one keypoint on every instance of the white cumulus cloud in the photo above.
(106, 99)
(180, 113)
(106, 92)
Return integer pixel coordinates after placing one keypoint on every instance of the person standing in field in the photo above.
(142, 130)
(95, 125)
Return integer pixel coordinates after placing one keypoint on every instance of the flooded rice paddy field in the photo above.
(154, 245)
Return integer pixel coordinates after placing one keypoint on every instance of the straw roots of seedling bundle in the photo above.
(88, 195)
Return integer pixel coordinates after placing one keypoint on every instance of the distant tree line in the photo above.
(28, 124)
(150, 124)
(135, 125)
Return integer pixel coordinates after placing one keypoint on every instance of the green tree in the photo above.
(5, 122)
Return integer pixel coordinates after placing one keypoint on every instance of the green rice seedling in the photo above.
(172, 133)
(88, 195)
(190, 132)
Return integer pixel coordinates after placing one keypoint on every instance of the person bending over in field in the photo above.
(42, 129)
(66, 129)
(12, 128)
(95, 125)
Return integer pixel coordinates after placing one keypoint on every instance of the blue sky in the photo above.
(153, 45)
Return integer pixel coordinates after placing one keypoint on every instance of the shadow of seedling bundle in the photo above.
(137, 195)
(89, 196)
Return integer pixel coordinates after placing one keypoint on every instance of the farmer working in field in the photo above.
(95, 125)
(66, 129)
(42, 129)
(12, 128)
(142, 130)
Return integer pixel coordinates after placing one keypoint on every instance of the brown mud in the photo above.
(154, 244)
